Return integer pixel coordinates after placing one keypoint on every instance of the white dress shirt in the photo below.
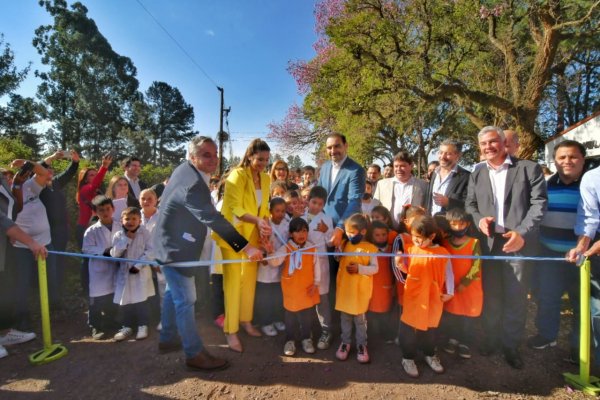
(335, 169)
(498, 182)
(402, 195)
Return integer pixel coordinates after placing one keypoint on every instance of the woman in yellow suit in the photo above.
(246, 206)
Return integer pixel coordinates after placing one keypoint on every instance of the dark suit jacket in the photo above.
(456, 191)
(525, 201)
(133, 201)
(186, 210)
(344, 196)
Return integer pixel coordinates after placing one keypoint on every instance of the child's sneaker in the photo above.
(14, 336)
(342, 352)
(269, 330)
(307, 346)
(410, 367)
(97, 334)
(123, 334)
(142, 332)
(3, 352)
(324, 340)
(464, 351)
(290, 348)
(280, 326)
(451, 346)
(435, 364)
(363, 354)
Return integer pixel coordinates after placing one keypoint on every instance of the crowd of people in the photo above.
(316, 253)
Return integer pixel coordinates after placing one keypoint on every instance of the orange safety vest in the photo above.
(353, 291)
(422, 307)
(469, 302)
(295, 286)
(383, 285)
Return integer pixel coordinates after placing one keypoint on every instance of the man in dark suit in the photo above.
(180, 234)
(507, 199)
(344, 180)
(448, 184)
(133, 167)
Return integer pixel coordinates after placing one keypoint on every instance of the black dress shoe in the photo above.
(205, 361)
(513, 358)
(167, 347)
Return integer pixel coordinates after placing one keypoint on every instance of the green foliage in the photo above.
(11, 149)
(394, 66)
(10, 77)
(89, 89)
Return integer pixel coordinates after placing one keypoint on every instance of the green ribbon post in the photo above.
(584, 382)
(50, 352)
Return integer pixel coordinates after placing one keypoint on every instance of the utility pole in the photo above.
(222, 135)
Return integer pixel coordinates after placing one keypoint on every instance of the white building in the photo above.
(586, 132)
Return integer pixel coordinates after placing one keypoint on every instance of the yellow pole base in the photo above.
(591, 386)
(48, 354)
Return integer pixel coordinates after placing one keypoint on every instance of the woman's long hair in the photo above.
(255, 146)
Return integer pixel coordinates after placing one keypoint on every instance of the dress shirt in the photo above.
(335, 168)
(441, 187)
(588, 211)
(135, 186)
(498, 182)
(402, 196)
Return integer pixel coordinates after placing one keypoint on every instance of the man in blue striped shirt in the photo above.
(557, 237)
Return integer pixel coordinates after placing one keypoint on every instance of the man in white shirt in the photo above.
(448, 184)
(507, 198)
(403, 189)
(133, 167)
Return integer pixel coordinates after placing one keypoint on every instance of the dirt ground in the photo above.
(132, 370)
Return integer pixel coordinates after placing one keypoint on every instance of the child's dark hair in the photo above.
(442, 224)
(318, 192)
(357, 221)
(275, 201)
(131, 211)
(425, 226)
(298, 224)
(291, 194)
(457, 214)
(377, 225)
(386, 214)
(101, 200)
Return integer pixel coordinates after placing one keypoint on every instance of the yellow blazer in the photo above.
(239, 198)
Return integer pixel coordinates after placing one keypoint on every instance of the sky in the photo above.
(243, 46)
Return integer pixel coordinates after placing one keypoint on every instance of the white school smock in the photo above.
(96, 239)
(320, 239)
(133, 288)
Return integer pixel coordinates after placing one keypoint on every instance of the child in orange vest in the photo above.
(424, 295)
(461, 311)
(354, 287)
(383, 283)
(300, 278)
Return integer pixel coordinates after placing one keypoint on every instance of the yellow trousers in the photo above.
(239, 285)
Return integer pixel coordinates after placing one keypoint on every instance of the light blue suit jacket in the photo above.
(344, 195)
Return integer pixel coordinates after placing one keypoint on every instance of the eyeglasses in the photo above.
(281, 169)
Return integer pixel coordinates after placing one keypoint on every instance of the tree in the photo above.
(11, 149)
(168, 121)
(493, 61)
(10, 76)
(17, 118)
(89, 89)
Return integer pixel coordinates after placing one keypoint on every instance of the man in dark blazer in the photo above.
(448, 183)
(132, 167)
(186, 213)
(344, 180)
(507, 199)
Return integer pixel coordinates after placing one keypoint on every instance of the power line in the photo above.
(177, 43)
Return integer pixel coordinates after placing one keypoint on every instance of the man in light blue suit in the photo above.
(344, 180)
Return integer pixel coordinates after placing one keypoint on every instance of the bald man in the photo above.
(512, 142)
